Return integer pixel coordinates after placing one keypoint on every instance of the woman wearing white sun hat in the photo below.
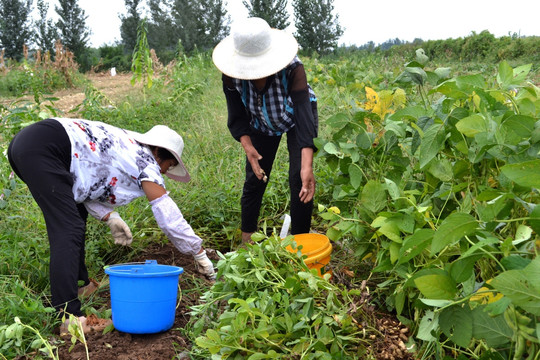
(76, 167)
(267, 96)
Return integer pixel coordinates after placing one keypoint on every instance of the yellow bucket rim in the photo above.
(315, 258)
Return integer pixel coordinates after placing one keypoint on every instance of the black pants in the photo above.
(253, 191)
(40, 155)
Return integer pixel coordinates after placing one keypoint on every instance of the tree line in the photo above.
(173, 25)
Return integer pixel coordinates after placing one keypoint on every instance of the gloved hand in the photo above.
(204, 265)
(119, 229)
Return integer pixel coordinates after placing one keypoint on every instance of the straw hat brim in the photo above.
(159, 139)
(282, 51)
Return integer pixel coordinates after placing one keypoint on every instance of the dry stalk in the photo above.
(2, 62)
(157, 66)
(65, 62)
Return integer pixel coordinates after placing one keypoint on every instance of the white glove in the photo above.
(205, 266)
(119, 229)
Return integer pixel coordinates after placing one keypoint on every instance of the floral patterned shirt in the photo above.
(107, 164)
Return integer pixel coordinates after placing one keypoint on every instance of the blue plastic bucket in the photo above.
(143, 296)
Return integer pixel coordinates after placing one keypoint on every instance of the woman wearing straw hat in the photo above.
(267, 96)
(74, 167)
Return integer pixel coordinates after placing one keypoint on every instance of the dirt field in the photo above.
(172, 344)
(121, 346)
(115, 88)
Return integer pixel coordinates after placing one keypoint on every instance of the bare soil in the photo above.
(115, 88)
(175, 344)
(117, 345)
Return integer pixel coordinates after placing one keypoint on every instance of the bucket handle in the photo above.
(147, 262)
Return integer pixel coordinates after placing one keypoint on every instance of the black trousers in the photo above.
(40, 155)
(253, 191)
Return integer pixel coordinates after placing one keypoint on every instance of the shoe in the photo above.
(246, 238)
(92, 323)
(89, 289)
(97, 324)
(80, 322)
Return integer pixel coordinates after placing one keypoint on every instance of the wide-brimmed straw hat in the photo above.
(164, 137)
(254, 50)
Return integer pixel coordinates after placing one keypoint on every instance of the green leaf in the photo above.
(333, 233)
(521, 286)
(462, 269)
(392, 189)
(443, 73)
(515, 262)
(332, 149)
(484, 242)
(526, 173)
(456, 323)
(534, 220)
(338, 121)
(410, 113)
(472, 125)
(441, 169)
(206, 343)
(415, 244)
(492, 208)
(356, 175)
(436, 303)
(520, 73)
(390, 229)
(417, 75)
(493, 330)
(452, 229)
(471, 83)
(498, 307)
(505, 74)
(436, 286)
(450, 89)
(237, 279)
(374, 196)
(523, 233)
(421, 56)
(428, 324)
(432, 142)
(258, 356)
(394, 251)
(520, 125)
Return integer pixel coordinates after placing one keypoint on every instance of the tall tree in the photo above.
(273, 11)
(15, 27)
(162, 37)
(317, 29)
(46, 33)
(72, 28)
(215, 23)
(129, 23)
(194, 23)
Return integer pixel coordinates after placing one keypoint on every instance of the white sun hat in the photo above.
(164, 137)
(254, 50)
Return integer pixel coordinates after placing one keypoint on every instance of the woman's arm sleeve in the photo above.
(171, 221)
(305, 111)
(237, 116)
(97, 210)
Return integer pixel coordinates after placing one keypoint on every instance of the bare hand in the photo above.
(253, 157)
(308, 185)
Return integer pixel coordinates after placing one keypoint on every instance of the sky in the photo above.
(365, 21)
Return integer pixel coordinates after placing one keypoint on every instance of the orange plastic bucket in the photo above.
(317, 248)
